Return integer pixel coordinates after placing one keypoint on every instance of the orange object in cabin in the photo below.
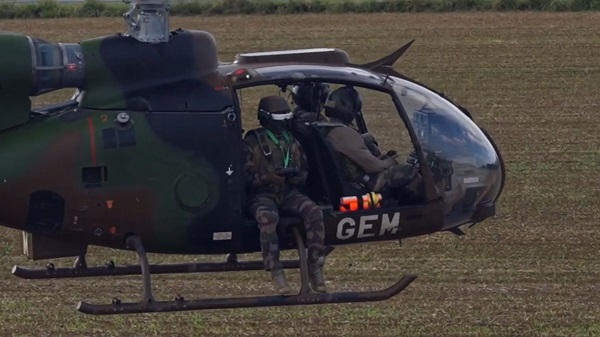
(369, 200)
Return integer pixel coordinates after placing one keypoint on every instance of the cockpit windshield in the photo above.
(465, 166)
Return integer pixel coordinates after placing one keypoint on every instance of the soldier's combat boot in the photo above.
(280, 282)
(317, 281)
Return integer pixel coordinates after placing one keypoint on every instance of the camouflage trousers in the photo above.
(266, 212)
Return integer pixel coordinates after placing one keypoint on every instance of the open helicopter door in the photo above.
(400, 211)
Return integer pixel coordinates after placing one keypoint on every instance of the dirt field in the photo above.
(531, 79)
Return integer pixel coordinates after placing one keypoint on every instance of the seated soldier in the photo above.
(275, 169)
(363, 161)
(309, 98)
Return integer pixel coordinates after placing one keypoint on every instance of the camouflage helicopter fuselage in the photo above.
(149, 155)
(151, 146)
(92, 175)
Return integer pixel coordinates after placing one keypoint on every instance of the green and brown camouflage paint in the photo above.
(154, 148)
(117, 178)
(16, 80)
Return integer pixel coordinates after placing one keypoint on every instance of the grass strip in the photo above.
(96, 8)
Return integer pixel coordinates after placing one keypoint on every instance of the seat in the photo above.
(327, 177)
(317, 187)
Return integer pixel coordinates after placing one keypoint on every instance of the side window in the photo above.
(385, 124)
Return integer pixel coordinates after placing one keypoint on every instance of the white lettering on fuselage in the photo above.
(348, 232)
(388, 225)
(347, 229)
(365, 225)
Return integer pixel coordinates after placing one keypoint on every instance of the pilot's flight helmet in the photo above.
(310, 96)
(274, 113)
(344, 104)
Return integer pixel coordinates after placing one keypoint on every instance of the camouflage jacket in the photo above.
(359, 154)
(265, 161)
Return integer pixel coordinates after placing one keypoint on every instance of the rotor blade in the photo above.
(388, 60)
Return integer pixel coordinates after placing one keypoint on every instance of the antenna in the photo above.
(148, 20)
(387, 77)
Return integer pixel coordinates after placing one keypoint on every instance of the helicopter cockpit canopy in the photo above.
(466, 169)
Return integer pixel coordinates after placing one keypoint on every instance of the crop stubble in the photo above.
(531, 79)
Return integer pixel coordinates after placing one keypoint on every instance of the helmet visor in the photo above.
(282, 117)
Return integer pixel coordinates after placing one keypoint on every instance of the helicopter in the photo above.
(148, 155)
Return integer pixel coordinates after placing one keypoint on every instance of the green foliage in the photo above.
(96, 8)
(560, 5)
(236, 6)
(52, 9)
(190, 8)
(506, 5)
(584, 5)
(47, 9)
(92, 8)
(7, 10)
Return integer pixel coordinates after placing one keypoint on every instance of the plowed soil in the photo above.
(531, 79)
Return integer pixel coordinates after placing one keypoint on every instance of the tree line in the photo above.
(96, 8)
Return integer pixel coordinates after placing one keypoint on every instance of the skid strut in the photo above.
(304, 283)
(135, 242)
(305, 297)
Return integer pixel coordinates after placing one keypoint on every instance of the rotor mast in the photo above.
(148, 20)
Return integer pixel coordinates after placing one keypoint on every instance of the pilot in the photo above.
(309, 98)
(276, 169)
(364, 163)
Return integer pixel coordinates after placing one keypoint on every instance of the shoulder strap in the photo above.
(325, 127)
(262, 142)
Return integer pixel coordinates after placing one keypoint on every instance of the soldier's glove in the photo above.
(371, 144)
(273, 178)
(390, 154)
(287, 172)
(368, 138)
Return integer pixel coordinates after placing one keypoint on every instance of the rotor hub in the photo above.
(148, 20)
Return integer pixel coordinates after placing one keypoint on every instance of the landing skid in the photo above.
(110, 269)
(148, 304)
(180, 304)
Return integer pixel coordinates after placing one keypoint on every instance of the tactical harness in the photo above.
(266, 148)
(352, 172)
